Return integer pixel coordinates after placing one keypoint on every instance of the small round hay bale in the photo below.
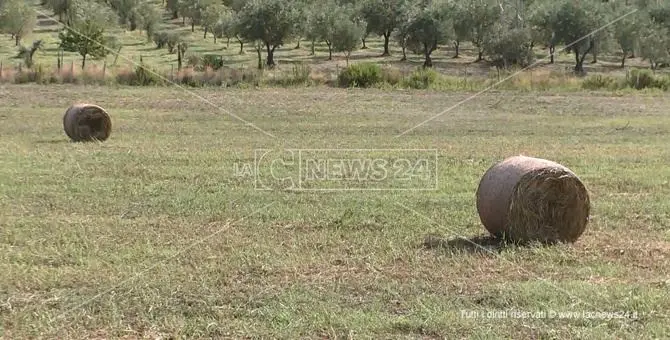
(87, 122)
(525, 199)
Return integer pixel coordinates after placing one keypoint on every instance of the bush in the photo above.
(236, 77)
(141, 76)
(641, 79)
(212, 61)
(195, 61)
(597, 82)
(421, 79)
(391, 75)
(360, 75)
(160, 39)
(299, 75)
(663, 83)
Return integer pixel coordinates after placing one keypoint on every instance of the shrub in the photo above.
(421, 79)
(195, 61)
(141, 76)
(299, 75)
(6, 75)
(391, 75)
(211, 77)
(24, 77)
(360, 75)
(212, 61)
(599, 81)
(663, 83)
(188, 77)
(160, 39)
(641, 79)
(166, 39)
(236, 77)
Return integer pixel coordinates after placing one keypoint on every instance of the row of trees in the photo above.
(504, 31)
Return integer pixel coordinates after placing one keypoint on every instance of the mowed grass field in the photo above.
(160, 233)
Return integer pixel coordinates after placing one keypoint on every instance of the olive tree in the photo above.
(576, 25)
(17, 18)
(347, 36)
(269, 22)
(429, 28)
(382, 17)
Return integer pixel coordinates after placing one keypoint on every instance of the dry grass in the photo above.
(159, 233)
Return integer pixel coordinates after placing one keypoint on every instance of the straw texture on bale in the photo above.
(87, 122)
(526, 199)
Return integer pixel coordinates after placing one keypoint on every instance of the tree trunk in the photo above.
(297, 46)
(83, 61)
(312, 52)
(214, 35)
(364, 46)
(330, 50)
(205, 35)
(260, 58)
(178, 58)
(192, 26)
(241, 45)
(579, 67)
(428, 62)
(175, 14)
(623, 60)
(552, 50)
(17, 39)
(457, 45)
(404, 53)
(480, 56)
(270, 59)
(183, 21)
(387, 35)
(227, 42)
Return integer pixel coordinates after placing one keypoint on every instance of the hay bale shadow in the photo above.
(51, 141)
(481, 244)
(476, 244)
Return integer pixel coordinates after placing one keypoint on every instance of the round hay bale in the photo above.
(525, 199)
(87, 122)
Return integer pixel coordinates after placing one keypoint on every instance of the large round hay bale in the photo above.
(87, 122)
(525, 199)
